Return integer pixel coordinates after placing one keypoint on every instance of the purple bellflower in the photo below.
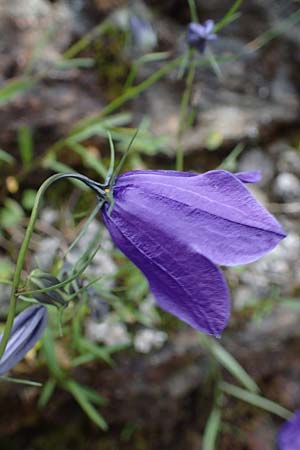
(177, 226)
(27, 329)
(289, 434)
(198, 35)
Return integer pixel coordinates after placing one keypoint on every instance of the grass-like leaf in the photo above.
(255, 400)
(228, 362)
(212, 430)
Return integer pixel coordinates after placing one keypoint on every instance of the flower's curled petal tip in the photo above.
(27, 329)
(184, 282)
(251, 176)
(289, 434)
(213, 212)
(209, 25)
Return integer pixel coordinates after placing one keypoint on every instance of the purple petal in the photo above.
(26, 331)
(184, 282)
(213, 213)
(209, 26)
(252, 176)
(289, 434)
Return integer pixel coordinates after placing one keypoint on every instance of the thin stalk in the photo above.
(184, 108)
(193, 11)
(23, 251)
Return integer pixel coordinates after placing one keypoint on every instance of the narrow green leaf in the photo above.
(6, 157)
(47, 392)
(13, 88)
(48, 347)
(25, 145)
(75, 63)
(80, 396)
(88, 159)
(96, 350)
(20, 381)
(230, 16)
(230, 162)
(212, 430)
(255, 400)
(93, 396)
(228, 362)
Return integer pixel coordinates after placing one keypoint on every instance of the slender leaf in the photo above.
(47, 392)
(255, 400)
(6, 157)
(212, 430)
(25, 145)
(228, 362)
(80, 396)
(13, 88)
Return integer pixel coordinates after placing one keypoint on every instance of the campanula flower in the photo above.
(289, 434)
(198, 34)
(27, 329)
(177, 226)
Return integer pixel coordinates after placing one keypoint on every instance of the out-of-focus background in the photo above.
(71, 70)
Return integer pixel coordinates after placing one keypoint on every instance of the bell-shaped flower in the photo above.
(176, 226)
(289, 434)
(198, 34)
(27, 329)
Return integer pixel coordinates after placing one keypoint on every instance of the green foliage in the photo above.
(11, 214)
(212, 429)
(226, 360)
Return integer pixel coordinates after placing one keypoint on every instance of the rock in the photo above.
(288, 158)
(48, 248)
(287, 186)
(147, 339)
(109, 332)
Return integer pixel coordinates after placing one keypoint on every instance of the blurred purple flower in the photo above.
(143, 34)
(176, 226)
(289, 434)
(198, 35)
(27, 329)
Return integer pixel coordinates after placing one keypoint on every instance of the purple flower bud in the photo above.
(289, 434)
(144, 37)
(26, 331)
(198, 35)
(177, 226)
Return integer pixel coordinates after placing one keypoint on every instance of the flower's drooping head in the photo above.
(177, 226)
(289, 434)
(198, 35)
(26, 331)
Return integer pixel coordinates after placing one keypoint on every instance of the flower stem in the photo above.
(184, 107)
(193, 11)
(22, 254)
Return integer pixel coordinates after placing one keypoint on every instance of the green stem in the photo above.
(184, 107)
(193, 11)
(22, 255)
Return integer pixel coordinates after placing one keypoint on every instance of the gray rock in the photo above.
(48, 248)
(147, 339)
(110, 332)
(287, 186)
